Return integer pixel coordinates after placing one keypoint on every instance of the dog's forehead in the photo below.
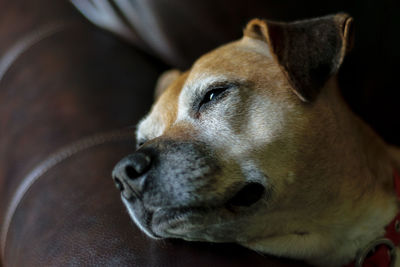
(244, 60)
(241, 59)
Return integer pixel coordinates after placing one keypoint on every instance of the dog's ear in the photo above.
(164, 81)
(309, 51)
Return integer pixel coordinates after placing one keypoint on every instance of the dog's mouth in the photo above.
(177, 222)
(247, 196)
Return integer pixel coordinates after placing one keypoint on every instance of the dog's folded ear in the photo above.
(309, 51)
(165, 80)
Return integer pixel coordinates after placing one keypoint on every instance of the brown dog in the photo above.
(255, 145)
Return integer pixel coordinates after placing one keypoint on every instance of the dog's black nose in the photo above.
(128, 173)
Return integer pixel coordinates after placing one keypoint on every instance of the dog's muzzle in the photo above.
(171, 186)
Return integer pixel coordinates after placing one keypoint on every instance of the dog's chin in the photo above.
(215, 223)
(188, 223)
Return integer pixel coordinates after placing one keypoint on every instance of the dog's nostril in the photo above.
(119, 184)
(139, 163)
(131, 172)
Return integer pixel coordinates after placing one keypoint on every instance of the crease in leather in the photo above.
(27, 41)
(52, 161)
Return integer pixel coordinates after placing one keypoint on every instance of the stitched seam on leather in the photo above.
(52, 161)
(26, 42)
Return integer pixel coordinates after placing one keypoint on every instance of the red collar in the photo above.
(382, 251)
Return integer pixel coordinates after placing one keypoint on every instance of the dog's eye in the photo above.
(212, 95)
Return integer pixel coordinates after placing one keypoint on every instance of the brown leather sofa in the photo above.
(70, 94)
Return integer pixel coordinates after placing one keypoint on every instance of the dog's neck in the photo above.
(366, 167)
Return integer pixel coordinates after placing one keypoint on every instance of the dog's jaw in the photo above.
(216, 222)
(332, 243)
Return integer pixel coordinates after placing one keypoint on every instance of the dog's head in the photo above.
(233, 150)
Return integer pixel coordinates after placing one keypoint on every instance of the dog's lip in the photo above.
(173, 217)
(165, 220)
(175, 214)
(146, 216)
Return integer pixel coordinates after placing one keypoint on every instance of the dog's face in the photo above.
(227, 152)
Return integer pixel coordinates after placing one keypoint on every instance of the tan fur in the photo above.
(331, 174)
(164, 81)
(164, 113)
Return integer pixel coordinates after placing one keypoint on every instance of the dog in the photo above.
(255, 145)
